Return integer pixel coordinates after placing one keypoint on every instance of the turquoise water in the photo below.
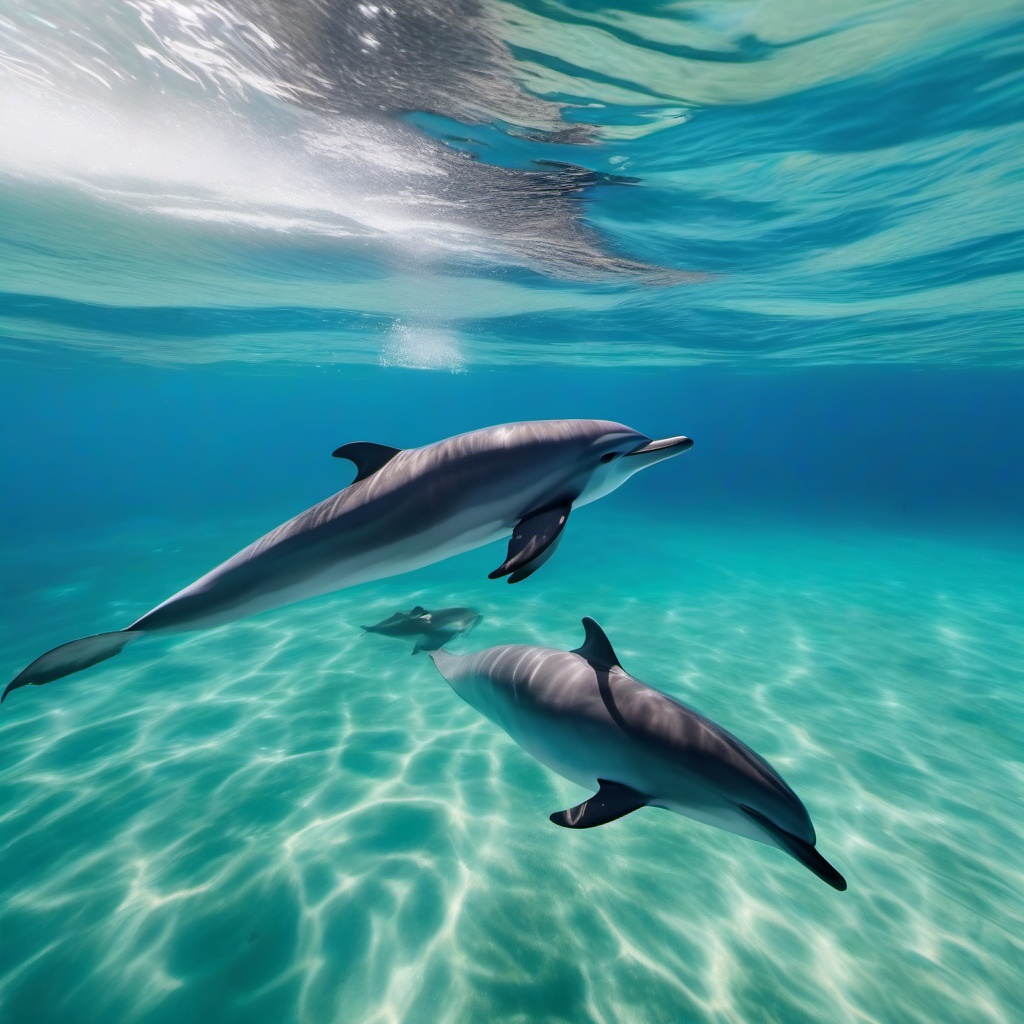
(233, 239)
(289, 820)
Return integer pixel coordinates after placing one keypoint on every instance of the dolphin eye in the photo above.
(609, 456)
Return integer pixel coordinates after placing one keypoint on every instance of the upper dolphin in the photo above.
(582, 715)
(405, 509)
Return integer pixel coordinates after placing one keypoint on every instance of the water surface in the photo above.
(237, 234)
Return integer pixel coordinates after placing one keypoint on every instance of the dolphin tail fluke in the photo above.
(72, 657)
(800, 850)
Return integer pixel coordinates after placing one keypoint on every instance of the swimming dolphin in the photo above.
(433, 629)
(405, 509)
(583, 716)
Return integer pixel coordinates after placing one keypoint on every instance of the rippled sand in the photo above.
(288, 821)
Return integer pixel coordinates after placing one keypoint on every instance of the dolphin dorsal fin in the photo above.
(418, 610)
(596, 647)
(367, 456)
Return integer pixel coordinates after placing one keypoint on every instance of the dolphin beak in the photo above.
(665, 448)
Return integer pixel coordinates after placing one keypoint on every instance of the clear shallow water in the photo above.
(288, 820)
(232, 240)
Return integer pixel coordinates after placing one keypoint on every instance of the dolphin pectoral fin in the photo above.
(367, 456)
(613, 800)
(71, 657)
(799, 849)
(596, 647)
(532, 566)
(435, 642)
(533, 542)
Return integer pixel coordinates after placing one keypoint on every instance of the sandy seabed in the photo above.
(291, 822)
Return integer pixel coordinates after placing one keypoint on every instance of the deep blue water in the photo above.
(236, 234)
(907, 447)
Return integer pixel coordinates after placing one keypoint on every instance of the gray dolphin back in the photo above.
(405, 509)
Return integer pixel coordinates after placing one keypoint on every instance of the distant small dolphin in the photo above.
(404, 510)
(580, 714)
(433, 629)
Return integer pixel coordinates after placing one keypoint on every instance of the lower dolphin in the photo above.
(581, 715)
(405, 509)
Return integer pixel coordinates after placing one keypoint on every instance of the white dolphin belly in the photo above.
(600, 751)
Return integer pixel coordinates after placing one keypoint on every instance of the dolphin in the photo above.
(432, 629)
(405, 509)
(583, 716)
